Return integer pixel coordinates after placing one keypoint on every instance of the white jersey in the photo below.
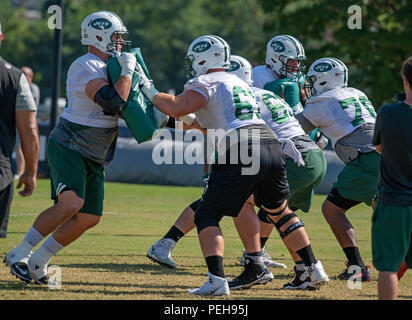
(339, 112)
(261, 75)
(277, 114)
(80, 108)
(230, 101)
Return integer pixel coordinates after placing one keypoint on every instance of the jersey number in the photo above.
(280, 114)
(358, 103)
(244, 109)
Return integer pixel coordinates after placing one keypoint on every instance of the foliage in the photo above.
(162, 29)
(373, 54)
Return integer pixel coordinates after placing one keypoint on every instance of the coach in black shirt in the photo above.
(392, 218)
(17, 108)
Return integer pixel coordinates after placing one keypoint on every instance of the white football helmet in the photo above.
(207, 52)
(282, 48)
(242, 68)
(327, 73)
(99, 30)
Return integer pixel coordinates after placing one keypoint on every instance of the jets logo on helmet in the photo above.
(234, 65)
(100, 24)
(105, 31)
(207, 52)
(280, 50)
(278, 46)
(242, 68)
(326, 74)
(201, 46)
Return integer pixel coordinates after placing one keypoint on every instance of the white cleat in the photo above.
(38, 271)
(267, 260)
(161, 252)
(16, 260)
(214, 286)
(317, 274)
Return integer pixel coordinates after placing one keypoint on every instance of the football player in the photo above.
(82, 142)
(161, 250)
(347, 117)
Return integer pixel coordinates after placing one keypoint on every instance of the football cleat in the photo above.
(301, 281)
(317, 275)
(214, 286)
(267, 259)
(251, 275)
(354, 272)
(161, 252)
(16, 260)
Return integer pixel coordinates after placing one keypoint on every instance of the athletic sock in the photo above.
(300, 266)
(353, 256)
(47, 250)
(307, 255)
(31, 239)
(174, 233)
(215, 265)
(263, 241)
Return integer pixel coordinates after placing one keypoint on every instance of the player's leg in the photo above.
(87, 217)
(161, 250)
(355, 184)
(67, 176)
(387, 285)
(243, 221)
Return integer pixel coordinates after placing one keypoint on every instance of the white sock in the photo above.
(32, 239)
(48, 249)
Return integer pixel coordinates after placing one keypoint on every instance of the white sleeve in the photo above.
(314, 112)
(202, 87)
(24, 98)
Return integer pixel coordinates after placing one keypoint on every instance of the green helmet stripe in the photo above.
(296, 43)
(225, 45)
(345, 69)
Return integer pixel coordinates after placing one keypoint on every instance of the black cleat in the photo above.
(21, 271)
(301, 281)
(251, 275)
(355, 273)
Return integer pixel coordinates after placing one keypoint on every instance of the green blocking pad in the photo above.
(138, 110)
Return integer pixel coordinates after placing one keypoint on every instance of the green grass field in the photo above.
(109, 261)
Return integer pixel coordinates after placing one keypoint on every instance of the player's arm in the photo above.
(379, 148)
(174, 106)
(180, 105)
(27, 127)
(304, 122)
(112, 97)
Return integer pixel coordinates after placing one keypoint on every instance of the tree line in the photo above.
(164, 29)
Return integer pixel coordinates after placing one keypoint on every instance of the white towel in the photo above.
(290, 150)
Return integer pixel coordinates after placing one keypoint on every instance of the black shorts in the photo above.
(228, 189)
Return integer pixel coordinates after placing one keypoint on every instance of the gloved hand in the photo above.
(146, 85)
(127, 62)
(188, 119)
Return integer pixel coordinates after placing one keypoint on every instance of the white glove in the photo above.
(127, 62)
(146, 85)
(188, 119)
(289, 148)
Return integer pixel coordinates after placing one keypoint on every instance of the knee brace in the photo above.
(263, 215)
(289, 229)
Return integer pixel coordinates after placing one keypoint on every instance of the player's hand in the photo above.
(29, 183)
(146, 85)
(127, 62)
(304, 92)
